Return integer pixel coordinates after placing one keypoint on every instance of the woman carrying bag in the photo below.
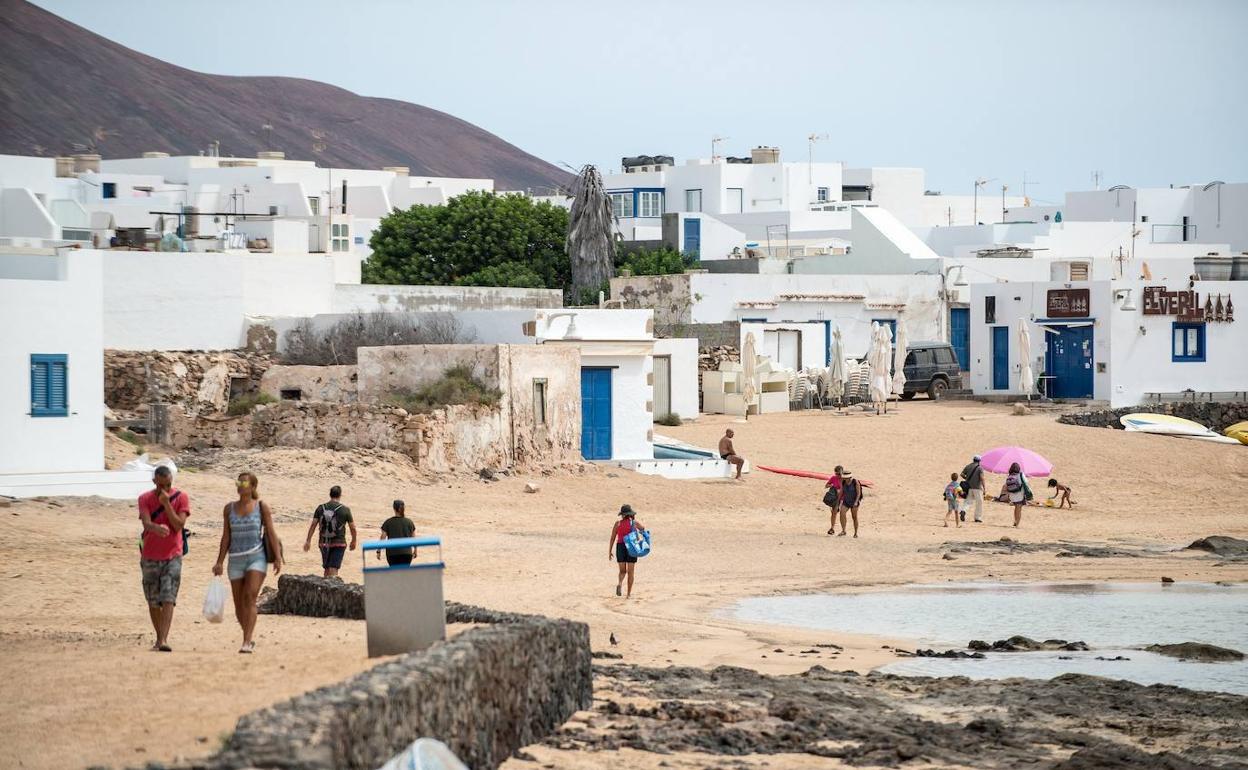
(616, 547)
(250, 541)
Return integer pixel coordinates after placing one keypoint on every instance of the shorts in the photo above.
(242, 563)
(161, 580)
(398, 559)
(954, 506)
(331, 556)
(623, 556)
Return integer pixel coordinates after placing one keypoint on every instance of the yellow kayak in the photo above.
(1238, 431)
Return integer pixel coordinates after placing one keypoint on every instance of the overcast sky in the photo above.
(1150, 92)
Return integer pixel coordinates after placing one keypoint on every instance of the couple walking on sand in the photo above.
(248, 539)
(843, 494)
(334, 520)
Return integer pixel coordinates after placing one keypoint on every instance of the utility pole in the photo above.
(1003, 189)
(978, 184)
(810, 158)
(1096, 180)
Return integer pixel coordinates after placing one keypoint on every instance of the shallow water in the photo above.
(1111, 617)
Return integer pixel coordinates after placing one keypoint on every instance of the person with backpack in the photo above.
(973, 489)
(620, 530)
(851, 497)
(163, 511)
(249, 539)
(953, 491)
(1018, 490)
(832, 497)
(334, 519)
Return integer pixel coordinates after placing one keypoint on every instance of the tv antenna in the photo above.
(1096, 179)
(810, 155)
(715, 141)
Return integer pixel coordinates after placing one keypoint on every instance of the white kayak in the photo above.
(1163, 424)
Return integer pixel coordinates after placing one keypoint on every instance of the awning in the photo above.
(1070, 323)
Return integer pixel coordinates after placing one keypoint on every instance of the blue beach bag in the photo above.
(637, 543)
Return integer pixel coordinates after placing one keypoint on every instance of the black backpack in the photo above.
(331, 527)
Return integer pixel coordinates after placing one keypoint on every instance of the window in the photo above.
(693, 200)
(990, 310)
(539, 402)
(1143, 218)
(1078, 271)
(341, 237)
(736, 200)
(650, 203)
(946, 357)
(49, 385)
(1188, 342)
(108, 190)
(314, 204)
(821, 194)
(622, 205)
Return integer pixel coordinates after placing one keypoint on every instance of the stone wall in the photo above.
(337, 384)
(485, 693)
(200, 381)
(453, 438)
(395, 368)
(1217, 417)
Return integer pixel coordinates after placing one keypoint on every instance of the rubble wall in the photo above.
(200, 381)
(336, 384)
(1216, 417)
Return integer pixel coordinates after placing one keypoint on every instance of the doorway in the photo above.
(1000, 358)
(596, 413)
(783, 347)
(960, 335)
(1068, 360)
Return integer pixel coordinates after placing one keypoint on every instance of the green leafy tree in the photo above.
(662, 261)
(476, 239)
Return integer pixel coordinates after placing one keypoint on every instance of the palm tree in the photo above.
(591, 241)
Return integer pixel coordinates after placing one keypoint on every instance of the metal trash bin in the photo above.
(403, 606)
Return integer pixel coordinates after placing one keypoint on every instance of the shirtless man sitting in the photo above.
(727, 452)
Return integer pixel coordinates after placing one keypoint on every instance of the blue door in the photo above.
(1000, 358)
(1068, 360)
(960, 335)
(596, 413)
(693, 236)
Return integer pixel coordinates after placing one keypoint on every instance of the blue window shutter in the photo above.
(49, 385)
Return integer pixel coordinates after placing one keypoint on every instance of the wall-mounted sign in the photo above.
(1068, 303)
(1185, 305)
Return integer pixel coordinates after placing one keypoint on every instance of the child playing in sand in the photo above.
(1062, 491)
(952, 491)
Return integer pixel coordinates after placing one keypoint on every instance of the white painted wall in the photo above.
(684, 355)
(156, 301)
(631, 422)
(896, 190)
(23, 216)
(52, 316)
(814, 341)
(939, 210)
(281, 285)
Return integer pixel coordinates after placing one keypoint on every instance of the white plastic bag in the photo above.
(214, 601)
(145, 463)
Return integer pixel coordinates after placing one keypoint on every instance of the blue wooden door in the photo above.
(960, 335)
(596, 413)
(693, 236)
(1000, 358)
(1068, 360)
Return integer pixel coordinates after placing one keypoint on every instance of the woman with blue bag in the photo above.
(629, 540)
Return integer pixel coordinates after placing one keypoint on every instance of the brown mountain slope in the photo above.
(62, 86)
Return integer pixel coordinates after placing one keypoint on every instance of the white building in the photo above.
(52, 377)
(1120, 341)
(1213, 213)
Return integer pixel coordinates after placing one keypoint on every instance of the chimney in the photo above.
(86, 161)
(399, 170)
(65, 166)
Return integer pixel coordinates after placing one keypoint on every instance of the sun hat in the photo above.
(976, 458)
(627, 510)
(847, 474)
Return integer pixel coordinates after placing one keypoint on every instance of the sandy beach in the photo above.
(79, 686)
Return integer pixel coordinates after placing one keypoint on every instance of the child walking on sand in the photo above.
(1062, 491)
(952, 490)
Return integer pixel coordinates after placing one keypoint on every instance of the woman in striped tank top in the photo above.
(248, 523)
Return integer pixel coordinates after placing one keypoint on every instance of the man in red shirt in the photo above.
(163, 511)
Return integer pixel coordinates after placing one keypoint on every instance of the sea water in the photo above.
(1112, 618)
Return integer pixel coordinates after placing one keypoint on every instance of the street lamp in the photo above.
(978, 184)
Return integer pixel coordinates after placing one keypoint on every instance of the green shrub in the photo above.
(455, 386)
(671, 419)
(244, 404)
(130, 437)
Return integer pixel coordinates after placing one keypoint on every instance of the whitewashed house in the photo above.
(52, 377)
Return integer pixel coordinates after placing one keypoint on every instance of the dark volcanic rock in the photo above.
(948, 654)
(1221, 545)
(1207, 653)
(1071, 721)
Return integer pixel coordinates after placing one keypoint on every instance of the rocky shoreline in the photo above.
(1069, 722)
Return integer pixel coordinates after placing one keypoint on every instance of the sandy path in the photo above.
(77, 685)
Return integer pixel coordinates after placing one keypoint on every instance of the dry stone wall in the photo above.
(485, 693)
(1217, 417)
(200, 381)
(450, 439)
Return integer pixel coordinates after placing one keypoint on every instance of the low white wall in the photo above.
(280, 285)
(162, 301)
(684, 355)
(53, 316)
(373, 298)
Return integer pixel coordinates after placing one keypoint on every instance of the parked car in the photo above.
(931, 368)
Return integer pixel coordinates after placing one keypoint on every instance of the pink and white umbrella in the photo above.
(1000, 459)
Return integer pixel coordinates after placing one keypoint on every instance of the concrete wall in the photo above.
(685, 379)
(370, 298)
(407, 367)
(814, 347)
(23, 216)
(53, 316)
(669, 296)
